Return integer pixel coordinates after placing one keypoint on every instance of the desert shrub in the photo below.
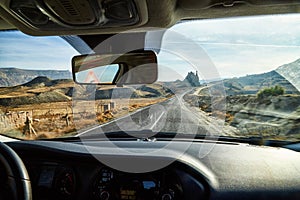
(272, 91)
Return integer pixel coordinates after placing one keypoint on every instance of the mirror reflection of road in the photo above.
(171, 116)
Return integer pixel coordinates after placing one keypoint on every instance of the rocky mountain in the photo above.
(192, 79)
(273, 117)
(286, 76)
(15, 76)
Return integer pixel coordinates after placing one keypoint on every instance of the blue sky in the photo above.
(236, 46)
(241, 46)
(26, 52)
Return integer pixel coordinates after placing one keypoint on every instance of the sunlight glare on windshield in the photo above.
(235, 77)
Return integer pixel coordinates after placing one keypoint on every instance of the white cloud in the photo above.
(236, 46)
(249, 45)
(240, 60)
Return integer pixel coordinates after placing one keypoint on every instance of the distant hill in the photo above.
(41, 89)
(39, 81)
(144, 91)
(191, 80)
(287, 76)
(15, 76)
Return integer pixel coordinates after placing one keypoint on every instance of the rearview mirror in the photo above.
(139, 67)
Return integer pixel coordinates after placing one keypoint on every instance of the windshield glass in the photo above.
(236, 77)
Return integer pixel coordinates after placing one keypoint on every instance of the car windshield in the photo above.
(235, 77)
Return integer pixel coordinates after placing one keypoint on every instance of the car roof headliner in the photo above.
(165, 13)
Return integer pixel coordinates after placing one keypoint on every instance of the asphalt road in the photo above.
(172, 116)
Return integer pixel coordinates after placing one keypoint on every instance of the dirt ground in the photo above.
(62, 119)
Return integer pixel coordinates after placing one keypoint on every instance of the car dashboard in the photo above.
(60, 180)
(70, 170)
(91, 180)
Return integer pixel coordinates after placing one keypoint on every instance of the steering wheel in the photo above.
(17, 176)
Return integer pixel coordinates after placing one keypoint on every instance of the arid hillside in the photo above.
(8, 75)
(60, 107)
(272, 117)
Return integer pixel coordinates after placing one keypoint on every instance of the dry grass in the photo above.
(50, 118)
(229, 118)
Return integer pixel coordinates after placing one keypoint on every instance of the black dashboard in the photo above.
(67, 170)
(57, 180)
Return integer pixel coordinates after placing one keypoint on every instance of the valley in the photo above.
(59, 107)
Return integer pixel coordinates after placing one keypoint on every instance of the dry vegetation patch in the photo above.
(61, 119)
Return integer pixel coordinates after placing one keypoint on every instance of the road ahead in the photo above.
(172, 116)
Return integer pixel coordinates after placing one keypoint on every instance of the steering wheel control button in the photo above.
(166, 197)
(104, 195)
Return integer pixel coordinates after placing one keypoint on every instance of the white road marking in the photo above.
(154, 124)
